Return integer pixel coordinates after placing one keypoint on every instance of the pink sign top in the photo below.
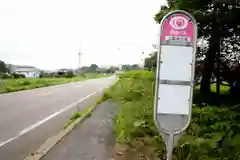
(177, 26)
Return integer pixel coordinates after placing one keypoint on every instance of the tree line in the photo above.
(93, 68)
(219, 26)
(3, 67)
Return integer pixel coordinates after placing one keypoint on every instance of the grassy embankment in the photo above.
(214, 132)
(11, 85)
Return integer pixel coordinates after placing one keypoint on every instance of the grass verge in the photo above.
(12, 85)
(213, 132)
(85, 113)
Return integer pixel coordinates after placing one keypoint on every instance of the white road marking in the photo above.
(78, 86)
(46, 93)
(28, 129)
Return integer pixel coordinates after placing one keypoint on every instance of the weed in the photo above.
(85, 113)
(73, 119)
(212, 134)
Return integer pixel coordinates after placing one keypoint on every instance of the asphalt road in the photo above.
(29, 118)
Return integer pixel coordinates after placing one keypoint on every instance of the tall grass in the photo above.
(213, 132)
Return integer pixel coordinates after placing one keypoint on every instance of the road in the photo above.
(29, 118)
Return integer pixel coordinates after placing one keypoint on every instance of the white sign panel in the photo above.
(177, 105)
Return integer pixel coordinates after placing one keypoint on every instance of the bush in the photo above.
(5, 75)
(16, 75)
(213, 133)
(25, 83)
(58, 76)
(69, 74)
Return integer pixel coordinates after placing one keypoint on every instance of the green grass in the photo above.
(213, 132)
(77, 115)
(224, 89)
(85, 112)
(11, 85)
(73, 119)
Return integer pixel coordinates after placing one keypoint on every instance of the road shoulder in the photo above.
(92, 139)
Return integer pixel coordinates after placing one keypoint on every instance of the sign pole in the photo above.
(175, 76)
(170, 145)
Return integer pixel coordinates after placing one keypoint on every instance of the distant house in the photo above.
(28, 71)
(64, 70)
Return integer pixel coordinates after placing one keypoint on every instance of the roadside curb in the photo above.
(51, 142)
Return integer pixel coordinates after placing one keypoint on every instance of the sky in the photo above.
(49, 34)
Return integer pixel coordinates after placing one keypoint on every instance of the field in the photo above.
(213, 133)
(11, 85)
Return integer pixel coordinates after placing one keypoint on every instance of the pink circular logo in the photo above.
(178, 22)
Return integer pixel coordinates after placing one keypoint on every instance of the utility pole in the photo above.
(79, 57)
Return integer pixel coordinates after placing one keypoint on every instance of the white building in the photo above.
(28, 71)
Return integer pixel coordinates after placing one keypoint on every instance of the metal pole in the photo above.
(79, 57)
(142, 56)
(170, 146)
(79, 60)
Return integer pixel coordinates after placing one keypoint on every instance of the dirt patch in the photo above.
(137, 150)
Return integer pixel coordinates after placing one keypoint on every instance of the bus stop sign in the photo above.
(175, 75)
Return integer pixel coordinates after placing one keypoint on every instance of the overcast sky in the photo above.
(48, 33)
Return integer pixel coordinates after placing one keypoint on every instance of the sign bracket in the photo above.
(174, 82)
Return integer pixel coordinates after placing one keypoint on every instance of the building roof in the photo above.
(24, 68)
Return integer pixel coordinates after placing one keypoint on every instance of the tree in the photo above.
(217, 23)
(3, 68)
(93, 68)
(150, 62)
(135, 66)
(112, 70)
(69, 74)
(126, 67)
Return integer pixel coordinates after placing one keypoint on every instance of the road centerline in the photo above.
(46, 93)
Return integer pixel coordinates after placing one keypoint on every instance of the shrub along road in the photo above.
(29, 118)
